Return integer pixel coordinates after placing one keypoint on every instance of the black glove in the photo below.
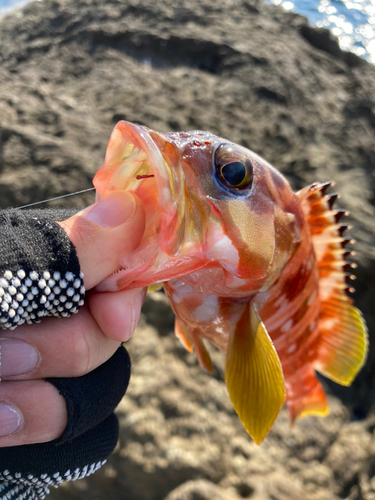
(39, 276)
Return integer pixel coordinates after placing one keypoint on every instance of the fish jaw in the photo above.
(149, 165)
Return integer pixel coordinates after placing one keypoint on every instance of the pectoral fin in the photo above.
(253, 375)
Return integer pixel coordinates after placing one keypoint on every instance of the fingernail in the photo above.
(16, 357)
(113, 210)
(10, 420)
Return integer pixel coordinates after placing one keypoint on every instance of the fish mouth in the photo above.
(144, 162)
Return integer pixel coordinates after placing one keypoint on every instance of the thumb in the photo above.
(105, 231)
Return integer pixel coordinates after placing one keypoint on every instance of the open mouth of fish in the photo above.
(132, 157)
(143, 162)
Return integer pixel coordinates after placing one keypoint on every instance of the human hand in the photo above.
(31, 409)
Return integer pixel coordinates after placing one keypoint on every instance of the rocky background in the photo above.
(258, 76)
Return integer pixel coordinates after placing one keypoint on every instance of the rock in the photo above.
(199, 490)
(260, 77)
(323, 39)
(347, 457)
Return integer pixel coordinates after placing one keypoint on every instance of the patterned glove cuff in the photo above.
(28, 296)
(43, 466)
(39, 269)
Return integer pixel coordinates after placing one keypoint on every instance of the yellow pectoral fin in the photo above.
(254, 376)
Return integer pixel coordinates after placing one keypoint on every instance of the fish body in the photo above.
(247, 264)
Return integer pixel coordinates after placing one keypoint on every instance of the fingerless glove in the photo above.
(40, 276)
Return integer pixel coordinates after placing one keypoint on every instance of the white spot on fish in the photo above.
(291, 348)
(329, 324)
(280, 301)
(310, 265)
(208, 310)
(287, 325)
(234, 282)
(311, 298)
(222, 250)
(181, 291)
(166, 194)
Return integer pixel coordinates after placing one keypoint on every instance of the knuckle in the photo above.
(82, 357)
(90, 348)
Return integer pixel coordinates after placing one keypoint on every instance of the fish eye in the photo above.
(233, 173)
(232, 167)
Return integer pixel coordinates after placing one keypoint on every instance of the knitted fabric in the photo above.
(39, 269)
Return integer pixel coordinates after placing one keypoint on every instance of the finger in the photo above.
(55, 348)
(117, 313)
(104, 232)
(30, 412)
(34, 412)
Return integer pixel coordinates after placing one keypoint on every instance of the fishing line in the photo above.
(138, 177)
(56, 198)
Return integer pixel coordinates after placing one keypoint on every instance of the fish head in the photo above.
(149, 164)
(209, 204)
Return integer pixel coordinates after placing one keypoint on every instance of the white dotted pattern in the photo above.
(28, 297)
(17, 487)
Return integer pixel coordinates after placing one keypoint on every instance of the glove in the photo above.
(40, 275)
(39, 269)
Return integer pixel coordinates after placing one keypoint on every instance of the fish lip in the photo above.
(157, 163)
(119, 174)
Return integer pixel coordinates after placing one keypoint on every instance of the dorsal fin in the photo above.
(343, 332)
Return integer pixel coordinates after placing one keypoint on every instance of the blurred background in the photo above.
(256, 74)
(351, 21)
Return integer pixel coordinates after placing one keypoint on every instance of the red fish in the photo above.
(251, 266)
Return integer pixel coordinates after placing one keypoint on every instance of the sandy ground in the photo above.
(257, 76)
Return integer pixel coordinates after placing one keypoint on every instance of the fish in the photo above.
(249, 265)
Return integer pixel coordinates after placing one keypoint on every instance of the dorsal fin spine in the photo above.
(340, 213)
(331, 198)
